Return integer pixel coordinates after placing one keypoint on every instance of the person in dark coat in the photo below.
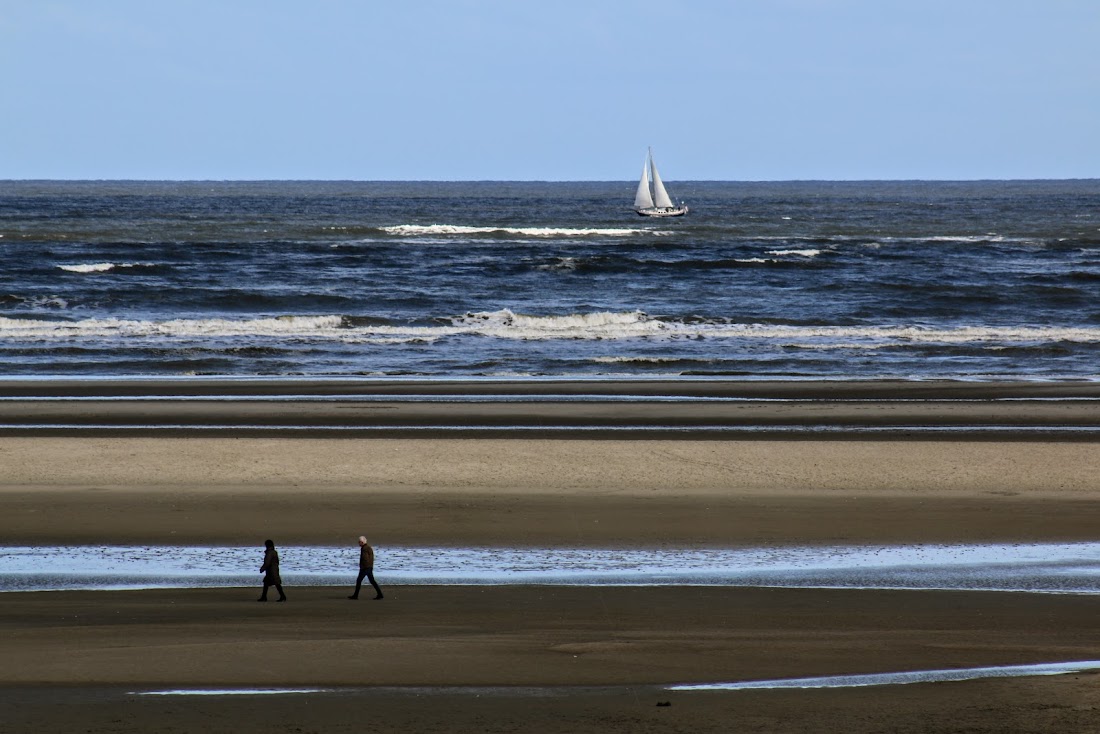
(270, 569)
(366, 568)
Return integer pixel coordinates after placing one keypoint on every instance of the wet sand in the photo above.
(97, 649)
(594, 410)
(543, 492)
(72, 659)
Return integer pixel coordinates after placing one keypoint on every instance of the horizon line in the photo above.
(538, 180)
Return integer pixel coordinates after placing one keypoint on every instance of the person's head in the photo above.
(269, 544)
(362, 540)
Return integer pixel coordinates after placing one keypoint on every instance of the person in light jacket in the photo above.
(270, 569)
(366, 568)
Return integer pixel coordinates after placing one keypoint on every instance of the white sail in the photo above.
(660, 196)
(651, 198)
(643, 199)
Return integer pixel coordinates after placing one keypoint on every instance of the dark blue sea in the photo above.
(793, 280)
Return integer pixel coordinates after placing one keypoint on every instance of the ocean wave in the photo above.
(594, 325)
(507, 324)
(901, 335)
(799, 253)
(633, 359)
(34, 302)
(103, 267)
(625, 264)
(417, 230)
(88, 267)
(560, 263)
(963, 239)
(281, 326)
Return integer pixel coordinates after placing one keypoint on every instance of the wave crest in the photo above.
(799, 253)
(102, 267)
(595, 325)
(506, 324)
(414, 230)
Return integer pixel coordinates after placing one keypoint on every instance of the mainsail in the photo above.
(660, 196)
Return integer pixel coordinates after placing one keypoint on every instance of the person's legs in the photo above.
(358, 583)
(377, 590)
(263, 596)
(282, 596)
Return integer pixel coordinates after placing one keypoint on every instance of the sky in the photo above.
(737, 90)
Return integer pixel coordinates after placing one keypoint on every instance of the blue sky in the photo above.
(563, 90)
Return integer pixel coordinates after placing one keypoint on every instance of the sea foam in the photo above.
(507, 324)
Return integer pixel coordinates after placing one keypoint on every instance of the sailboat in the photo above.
(652, 200)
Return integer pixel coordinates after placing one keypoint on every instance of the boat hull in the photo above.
(662, 211)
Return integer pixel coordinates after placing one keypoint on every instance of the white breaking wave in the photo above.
(285, 326)
(908, 334)
(800, 253)
(990, 237)
(458, 229)
(646, 360)
(88, 267)
(506, 324)
(100, 267)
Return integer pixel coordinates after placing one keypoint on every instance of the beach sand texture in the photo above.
(542, 659)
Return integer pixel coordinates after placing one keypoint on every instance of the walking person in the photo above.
(270, 569)
(366, 568)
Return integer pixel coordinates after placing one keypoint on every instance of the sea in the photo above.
(986, 280)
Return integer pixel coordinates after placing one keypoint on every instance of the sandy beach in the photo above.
(518, 658)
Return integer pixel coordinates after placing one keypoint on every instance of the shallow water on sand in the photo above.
(1050, 568)
(835, 681)
(904, 678)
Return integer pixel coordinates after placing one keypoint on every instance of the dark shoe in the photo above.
(379, 597)
(353, 597)
(262, 599)
(281, 598)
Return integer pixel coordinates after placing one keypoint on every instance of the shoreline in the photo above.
(703, 385)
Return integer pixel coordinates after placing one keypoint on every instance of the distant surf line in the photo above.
(509, 325)
(541, 232)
